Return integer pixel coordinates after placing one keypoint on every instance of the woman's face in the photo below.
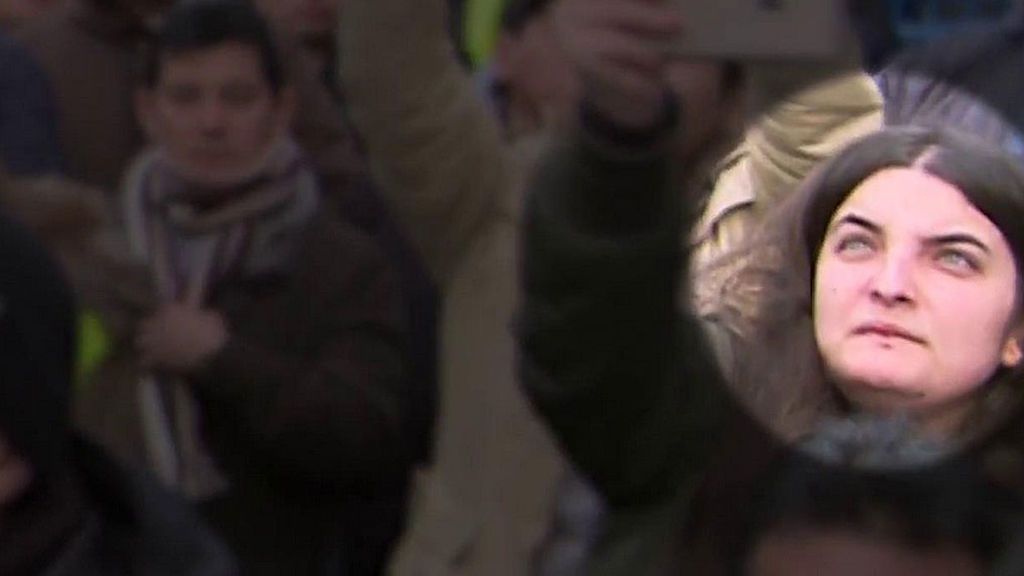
(914, 300)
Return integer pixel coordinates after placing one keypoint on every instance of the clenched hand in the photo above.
(180, 337)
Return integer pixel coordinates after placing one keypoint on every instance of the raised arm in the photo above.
(630, 386)
(434, 148)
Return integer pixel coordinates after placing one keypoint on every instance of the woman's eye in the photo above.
(958, 261)
(854, 245)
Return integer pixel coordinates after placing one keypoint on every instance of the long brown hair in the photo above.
(766, 297)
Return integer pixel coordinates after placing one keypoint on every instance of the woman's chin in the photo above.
(881, 393)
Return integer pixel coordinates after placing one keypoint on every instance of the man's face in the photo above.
(698, 83)
(214, 114)
(543, 85)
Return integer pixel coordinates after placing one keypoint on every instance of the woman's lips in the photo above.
(887, 330)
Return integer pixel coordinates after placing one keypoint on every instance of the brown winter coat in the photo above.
(303, 409)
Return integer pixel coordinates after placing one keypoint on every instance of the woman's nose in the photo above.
(894, 282)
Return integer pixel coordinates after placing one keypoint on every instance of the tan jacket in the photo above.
(778, 150)
(439, 156)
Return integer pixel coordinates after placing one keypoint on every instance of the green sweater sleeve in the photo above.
(627, 382)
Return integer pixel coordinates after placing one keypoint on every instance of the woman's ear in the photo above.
(1012, 354)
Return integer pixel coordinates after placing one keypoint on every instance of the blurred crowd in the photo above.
(508, 288)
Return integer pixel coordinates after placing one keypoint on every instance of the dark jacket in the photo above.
(600, 332)
(90, 50)
(305, 409)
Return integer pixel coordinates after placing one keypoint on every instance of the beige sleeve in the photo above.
(434, 148)
(810, 126)
(779, 150)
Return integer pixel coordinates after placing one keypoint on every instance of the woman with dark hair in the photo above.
(889, 283)
(800, 263)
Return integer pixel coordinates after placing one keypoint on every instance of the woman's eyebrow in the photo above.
(938, 240)
(958, 238)
(856, 220)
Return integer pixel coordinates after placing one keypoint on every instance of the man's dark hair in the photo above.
(196, 25)
(518, 13)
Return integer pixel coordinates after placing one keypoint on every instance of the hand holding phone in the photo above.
(618, 47)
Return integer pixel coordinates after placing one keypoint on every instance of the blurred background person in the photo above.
(29, 144)
(310, 26)
(90, 49)
(269, 382)
(527, 77)
(313, 24)
(90, 52)
(28, 114)
(454, 175)
(66, 508)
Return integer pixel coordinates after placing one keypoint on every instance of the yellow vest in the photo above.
(93, 346)
(482, 20)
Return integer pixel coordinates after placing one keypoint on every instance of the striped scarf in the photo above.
(251, 229)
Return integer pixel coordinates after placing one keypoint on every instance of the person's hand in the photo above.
(621, 50)
(179, 337)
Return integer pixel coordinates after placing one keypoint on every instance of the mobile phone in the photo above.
(763, 30)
